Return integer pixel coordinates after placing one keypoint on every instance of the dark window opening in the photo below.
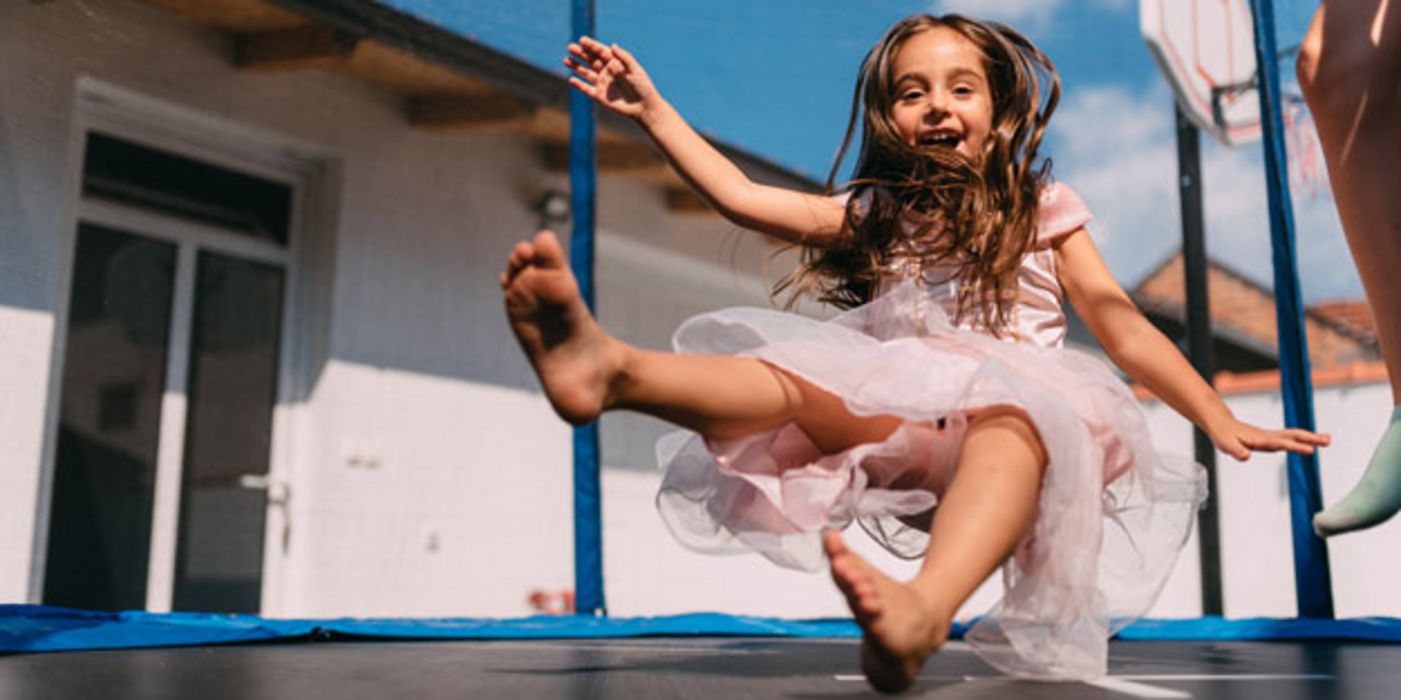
(150, 178)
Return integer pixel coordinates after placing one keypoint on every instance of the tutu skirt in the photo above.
(1112, 513)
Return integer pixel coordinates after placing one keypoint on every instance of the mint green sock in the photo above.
(1377, 496)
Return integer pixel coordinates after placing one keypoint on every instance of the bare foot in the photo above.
(900, 629)
(574, 358)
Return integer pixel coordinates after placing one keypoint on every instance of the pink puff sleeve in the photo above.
(863, 203)
(1060, 213)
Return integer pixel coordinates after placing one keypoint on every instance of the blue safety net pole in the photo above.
(583, 174)
(1312, 581)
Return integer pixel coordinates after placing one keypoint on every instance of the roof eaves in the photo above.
(1339, 325)
(1211, 264)
(1268, 381)
(521, 79)
(1155, 271)
(1221, 330)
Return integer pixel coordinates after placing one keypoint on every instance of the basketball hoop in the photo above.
(1206, 49)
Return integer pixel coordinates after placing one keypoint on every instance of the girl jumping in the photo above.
(940, 410)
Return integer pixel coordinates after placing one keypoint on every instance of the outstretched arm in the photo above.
(617, 81)
(1149, 357)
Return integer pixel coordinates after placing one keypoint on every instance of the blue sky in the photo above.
(775, 77)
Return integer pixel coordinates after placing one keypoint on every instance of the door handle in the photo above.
(278, 491)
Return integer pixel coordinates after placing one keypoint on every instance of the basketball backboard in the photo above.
(1206, 49)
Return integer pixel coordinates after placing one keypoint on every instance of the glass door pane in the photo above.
(234, 361)
(105, 463)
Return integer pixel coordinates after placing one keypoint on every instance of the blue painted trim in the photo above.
(588, 523)
(580, 627)
(1216, 629)
(30, 628)
(583, 173)
(35, 628)
(1312, 581)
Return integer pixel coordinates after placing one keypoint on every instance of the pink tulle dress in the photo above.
(1112, 514)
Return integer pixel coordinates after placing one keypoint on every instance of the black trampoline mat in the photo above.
(710, 668)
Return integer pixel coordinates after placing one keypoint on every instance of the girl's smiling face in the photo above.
(942, 96)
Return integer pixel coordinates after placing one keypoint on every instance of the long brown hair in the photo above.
(978, 214)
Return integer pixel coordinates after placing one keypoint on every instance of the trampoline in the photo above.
(699, 657)
(58, 653)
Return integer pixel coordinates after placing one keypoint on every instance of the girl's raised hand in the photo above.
(1240, 439)
(612, 77)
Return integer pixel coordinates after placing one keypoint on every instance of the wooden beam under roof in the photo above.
(441, 96)
(406, 74)
(298, 48)
(551, 125)
(613, 157)
(242, 16)
(484, 110)
(683, 200)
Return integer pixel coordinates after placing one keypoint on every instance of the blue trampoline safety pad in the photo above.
(1265, 629)
(33, 628)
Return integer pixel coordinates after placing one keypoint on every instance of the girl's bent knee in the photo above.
(1016, 423)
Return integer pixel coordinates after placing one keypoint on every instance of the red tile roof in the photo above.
(1339, 332)
(1228, 383)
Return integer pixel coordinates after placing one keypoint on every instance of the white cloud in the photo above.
(1119, 151)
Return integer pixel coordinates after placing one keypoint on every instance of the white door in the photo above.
(171, 375)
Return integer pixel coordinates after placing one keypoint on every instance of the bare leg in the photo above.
(987, 507)
(585, 372)
(1350, 70)
(986, 510)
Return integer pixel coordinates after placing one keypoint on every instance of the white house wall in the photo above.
(427, 475)
(1256, 544)
(24, 361)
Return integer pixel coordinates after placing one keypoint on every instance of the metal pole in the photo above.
(1312, 581)
(583, 173)
(1199, 347)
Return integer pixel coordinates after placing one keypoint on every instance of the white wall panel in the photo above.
(428, 476)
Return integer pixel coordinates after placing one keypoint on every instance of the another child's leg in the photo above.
(585, 371)
(1350, 70)
(986, 510)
